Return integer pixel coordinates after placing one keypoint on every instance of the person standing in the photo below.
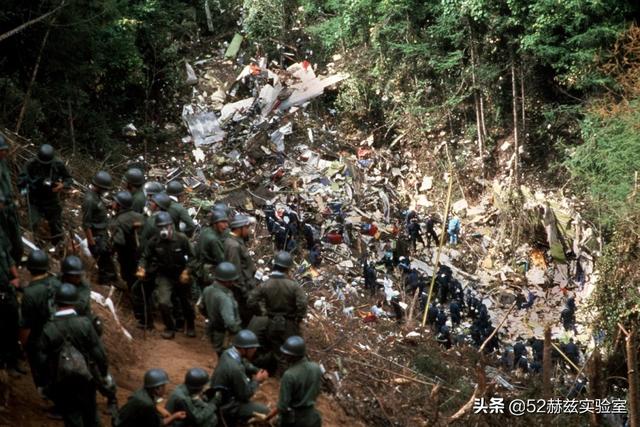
(221, 307)
(124, 236)
(236, 252)
(167, 257)
(72, 384)
(43, 179)
(453, 229)
(210, 245)
(299, 388)
(179, 213)
(134, 180)
(9, 314)
(9, 221)
(95, 223)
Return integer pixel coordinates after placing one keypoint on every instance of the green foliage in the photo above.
(604, 166)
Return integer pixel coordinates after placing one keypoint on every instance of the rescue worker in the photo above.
(74, 396)
(210, 248)
(9, 222)
(431, 232)
(370, 277)
(9, 313)
(453, 229)
(180, 215)
(43, 179)
(235, 380)
(134, 180)
(167, 257)
(72, 270)
(415, 233)
(36, 310)
(283, 301)
(143, 409)
(95, 223)
(299, 388)
(236, 252)
(221, 308)
(157, 202)
(187, 398)
(124, 235)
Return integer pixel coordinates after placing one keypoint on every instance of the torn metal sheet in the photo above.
(204, 127)
(234, 47)
(277, 137)
(307, 90)
(235, 110)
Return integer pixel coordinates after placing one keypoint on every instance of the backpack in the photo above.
(72, 365)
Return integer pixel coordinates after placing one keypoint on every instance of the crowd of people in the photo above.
(142, 236)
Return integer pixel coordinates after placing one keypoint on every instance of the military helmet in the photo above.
(196, 379)
(239, 221)
(72, 266)
(283, 259)
(221, 207)
(155, 378)
(3, 143)
(67, 294)
(102, 180)
(152, 187)
(163, 218)
(134, 176)
(246, 339)
(226, 272)
(45, 154)
(294, 346)
(218, 216)
(38, 261)
(162, 200)
(175, 188)
(124, 199)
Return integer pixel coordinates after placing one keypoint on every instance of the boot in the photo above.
(168, 334)
(179, 325)
(191, 329)
(169, 324)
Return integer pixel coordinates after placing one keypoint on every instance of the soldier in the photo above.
(431, 232)
(236, 252)
(187, 398)
(415, 233)
(283, 301)
(73, 272)
(221, 307)
(36, 310)
(95, 224)
(236, 381)
(167, 257)
(134, 180)
(143, 407)
(124, 235)
(155, 205)
(180, 215)
(43, 179)
(210, 245)
(73, 392)
(299, 388)
(9, 315)
(9, 221)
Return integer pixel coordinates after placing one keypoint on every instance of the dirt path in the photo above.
(176, 357)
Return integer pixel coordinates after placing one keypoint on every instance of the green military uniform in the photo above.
(140, 410)
(284, 302)
(124, 238)
(165, 259)
(94, 217)
(141, 290)
(149, 230)
(9, 314)
(223, 315)
(236, 252)
(9, 221)
(180, 215)
(299, 389)
(139, 201)
(36, 311)
(230, 378)
(210, 253)
(83, 303)
(199, 412)
(39, 178)
(76, 402)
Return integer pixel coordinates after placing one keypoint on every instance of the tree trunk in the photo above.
(19, 28)
(547, 365)
(23, 110)
(523, 131)
(595, 379)
(477, 99)
(516, 142)
(632, 372)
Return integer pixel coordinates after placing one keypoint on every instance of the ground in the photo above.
(175, 356)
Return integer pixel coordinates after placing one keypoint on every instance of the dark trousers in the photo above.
(431, 234)
(102, 253)
(52, 213)
(11, 227)
(9, 349)
(77, 405)
(128, 261)
(168, 290)
(141, 299)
